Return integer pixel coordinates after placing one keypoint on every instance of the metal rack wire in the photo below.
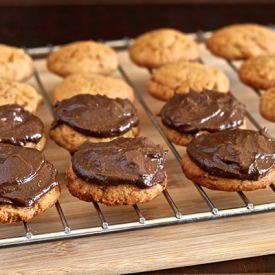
(141, 222)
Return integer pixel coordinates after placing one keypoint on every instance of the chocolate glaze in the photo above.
(25, 175)
(206, 111)
(96, 115)
(135, 161)
(237, 154)
(18, 126)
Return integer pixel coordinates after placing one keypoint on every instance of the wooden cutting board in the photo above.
(150, 249)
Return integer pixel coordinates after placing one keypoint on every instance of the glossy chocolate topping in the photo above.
(97, 115)
(237, 154)
(135, 161)
(25, 176)
(18, 126)
(206, 111)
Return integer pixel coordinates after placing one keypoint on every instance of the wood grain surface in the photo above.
(150, 249)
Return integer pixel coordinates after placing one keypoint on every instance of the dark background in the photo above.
(37, 23)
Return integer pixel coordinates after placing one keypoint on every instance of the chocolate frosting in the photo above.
(18, 126)
(135, 161)
(237, 154)
(206, 111)
(25, 175)
(96, 115)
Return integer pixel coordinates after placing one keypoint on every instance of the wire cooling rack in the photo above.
(141, 223)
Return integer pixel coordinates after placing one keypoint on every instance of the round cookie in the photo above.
(12, 92)
(121, 172)
(15, 64)
(199, 176)
(92, 84)
(86, 57)
(259, 72)
(111, 195)
(182, 76)
(267, 104)
(242, 41)
(158, 47)
(9, 213)
(68, 138)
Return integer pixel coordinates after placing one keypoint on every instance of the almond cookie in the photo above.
(121, 172)
(20, 127)
(12, 92)
(92, 84)
(242, 41)
(15, 64)
(184, 115)
(259, 72)
(95, 118)
(182, 76)
(267, 104)
(231, 160)
(28, 183)
(158, 47)
(86, 57)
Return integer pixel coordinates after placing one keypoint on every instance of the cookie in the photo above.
(40, 145)
(15, 64)
(70, 139)
(242, 41)
(121, 172)
(28, 186)
(12, 92)
(267, 104)
(9, 213)
(182, 76)
(92, 84)
(158, 47)
(259, 72)
(87, 57)
(95, 118)
(229, 160)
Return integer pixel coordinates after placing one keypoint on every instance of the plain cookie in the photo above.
(242, 41)
(15, 64)
(86, 57)
(112, 195)
(12, 92)
(92, 84)
(158, 47)
(267, 104)
(182, 76)
(259, 72)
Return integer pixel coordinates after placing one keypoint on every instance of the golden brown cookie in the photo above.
(199, 176)
(119, 194)
(11, 213)
(267, 104)
(158, 47)
(15, 64)
(22, 94)
(242, 41)
(68, 138)
(259, 72)
(92, 84)
(86, 57)
(182, 76)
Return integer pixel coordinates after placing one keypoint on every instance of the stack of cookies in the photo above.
(253, 44)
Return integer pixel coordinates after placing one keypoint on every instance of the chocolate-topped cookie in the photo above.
(231, 160)
(28, 183)
(20, 127)
(184, 115)
(122, 171)
(95, 118)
